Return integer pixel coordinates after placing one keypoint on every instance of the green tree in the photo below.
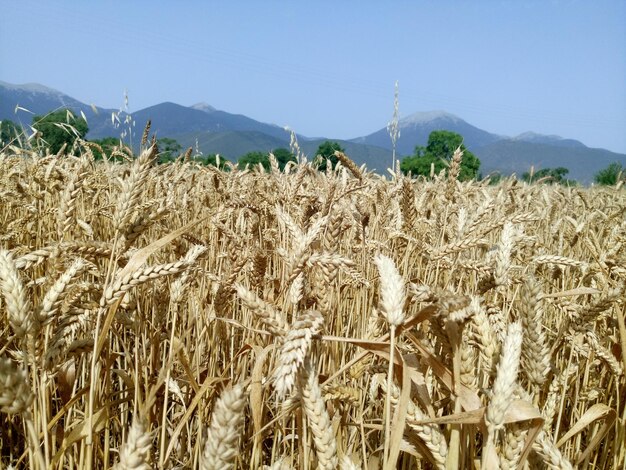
(326, 151)
(495, 178)
(283, 156)
(9, 133)
(211, 160)
(438, 153)
(253, 159)
(611, 174)
(549, 176)
(108, 145)
(169, 149)
(60, 127)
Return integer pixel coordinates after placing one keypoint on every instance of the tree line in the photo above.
(61, 129)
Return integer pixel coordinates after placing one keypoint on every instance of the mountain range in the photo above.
(232, 135)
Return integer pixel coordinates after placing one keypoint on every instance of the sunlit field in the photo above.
(182, 316)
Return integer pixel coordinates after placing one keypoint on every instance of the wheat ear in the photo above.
(122, 285)
(504, 385)
(270, 316)
(18, 306)
(429, 433)
(15, 391)
(294, 350)
(393, 297)
(535, 352)
(54, 297)
(135, 453)
(317, 418)
(221, 447)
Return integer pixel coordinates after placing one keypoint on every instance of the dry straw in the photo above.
(132, 293)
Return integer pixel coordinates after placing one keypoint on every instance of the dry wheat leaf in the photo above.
(178, 346)
(469, 398)
(126, 378)
(409, 448)
(595, 413)
(419, 381)
(143, 254)
(399, 417)
(572, 292)
(192, 407)
(422, 315)
(81, 431)
(66, 407)
(490, 457)
(518, 412)
(256, 388)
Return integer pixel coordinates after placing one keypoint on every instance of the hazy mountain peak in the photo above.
(420, 118)
(530, 135)
(202, 106)
(30, 88)
(537, 138)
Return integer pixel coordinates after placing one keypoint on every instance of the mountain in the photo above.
(37, 99)
(232, 144)
(415, 129)
(498, 153)
(554, 140)
(509, 156)
(217, 131)
(375, 158)
(232, 135)
(34, 99)
(171, 120)
(207, 108)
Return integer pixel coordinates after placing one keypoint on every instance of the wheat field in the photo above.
(179, 316)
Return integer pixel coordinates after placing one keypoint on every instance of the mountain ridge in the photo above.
(415, 129)
(217, 131)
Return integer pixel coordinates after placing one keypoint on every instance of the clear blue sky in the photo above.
(328, 68)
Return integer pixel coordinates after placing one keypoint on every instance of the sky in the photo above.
(328, 68)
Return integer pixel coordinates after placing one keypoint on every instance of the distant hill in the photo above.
(415, 129)
(171, 119)
(214, 131)
(499, 153)
(233, 135)
(375, 158)
(230, 144)
(554, 140)
(207, 108)
(37, 99)
(515, 156)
